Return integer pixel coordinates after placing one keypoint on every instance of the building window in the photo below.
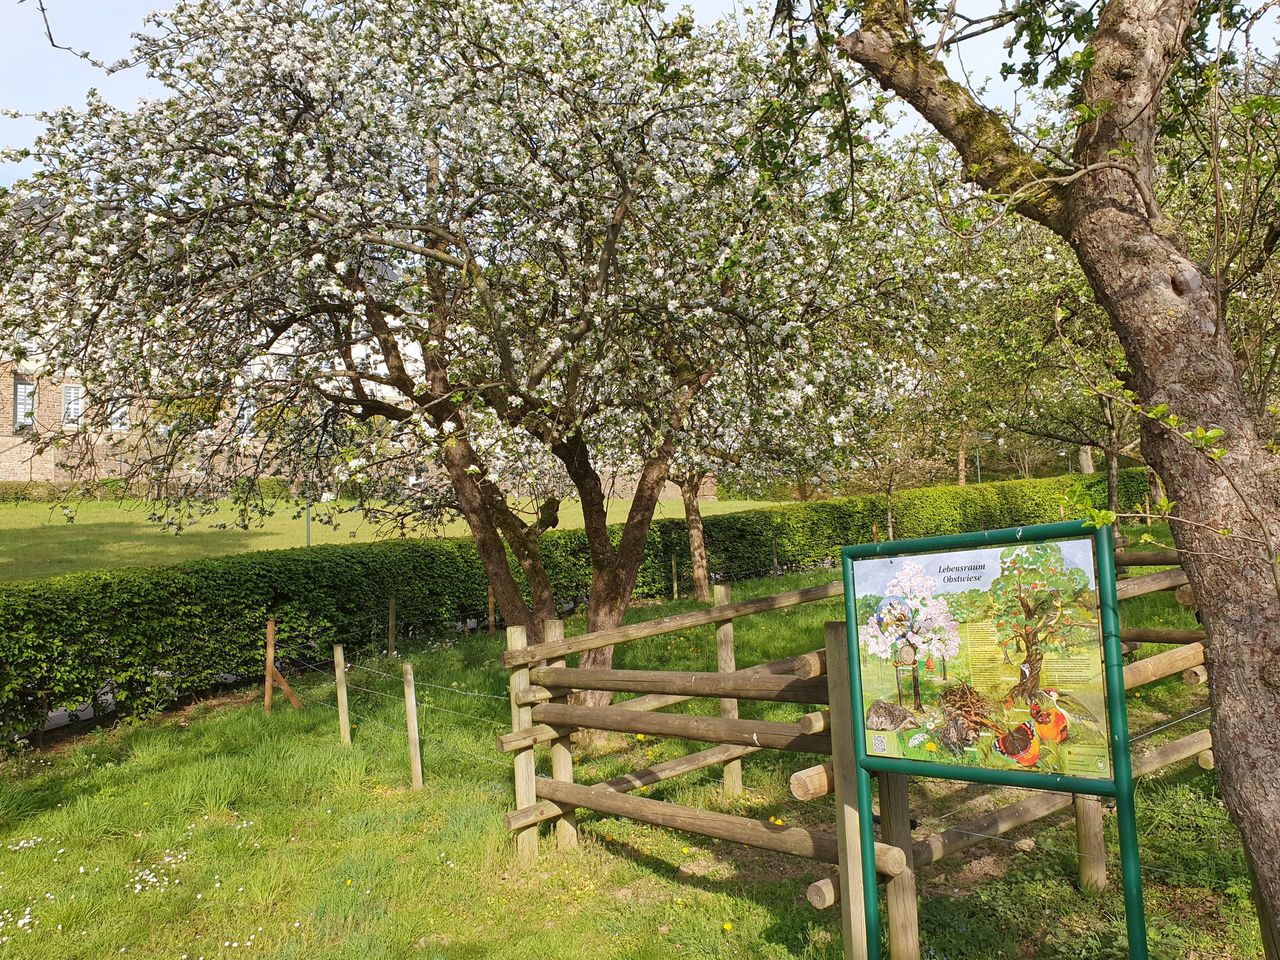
(72, 405)
(24, 404)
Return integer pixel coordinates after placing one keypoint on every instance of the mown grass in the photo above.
(291, 846)
(40, 540)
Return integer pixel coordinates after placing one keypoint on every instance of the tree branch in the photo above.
(993, 160)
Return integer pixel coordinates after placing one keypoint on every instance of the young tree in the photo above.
(408, 252)
(1127, 65)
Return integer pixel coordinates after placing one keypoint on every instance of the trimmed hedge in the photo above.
(156, 634)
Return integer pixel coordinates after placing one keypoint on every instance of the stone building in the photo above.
(28, 402)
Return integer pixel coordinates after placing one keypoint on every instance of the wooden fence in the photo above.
(541, 686)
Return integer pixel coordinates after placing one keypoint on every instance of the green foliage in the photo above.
(29, 491)
(158, 634)
(42, 491)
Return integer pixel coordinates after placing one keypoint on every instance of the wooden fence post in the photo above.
(1090, 847)
(340, 677)
(726, 662)
(391, 627)
(675, 579)
(561, 750)
(524, 766)
(899, 891)
(411, 723)
(270, 682)
(853, 921)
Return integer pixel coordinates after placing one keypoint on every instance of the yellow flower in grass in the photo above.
(728, 927)
(640, 737)
(931, 747)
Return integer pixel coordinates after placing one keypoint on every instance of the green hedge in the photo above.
(156, 634)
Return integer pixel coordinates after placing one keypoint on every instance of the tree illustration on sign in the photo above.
(1039, 599)
(911, 624)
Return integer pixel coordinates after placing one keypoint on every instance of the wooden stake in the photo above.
(853, 922)
(561, 753)
(270, 673)
(411, 722)
(900, 891)
(340, 677)
(726, 662)
(524, 766)
(391, 627)
(1205, 760)
(1090, 847)
(493, 624)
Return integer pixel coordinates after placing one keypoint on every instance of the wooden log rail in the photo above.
(740, 686)
(681, 621)
(797, 841)
(824, 893)
(553, 718)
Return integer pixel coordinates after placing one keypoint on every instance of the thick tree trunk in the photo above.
(690, 484)
(962, 465)
(1165, 309)
(1086, 460)
(493, 526)
(613, 569)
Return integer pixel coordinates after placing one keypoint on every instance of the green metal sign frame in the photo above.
(1119, 787)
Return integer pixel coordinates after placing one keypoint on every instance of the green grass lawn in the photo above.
(40, 540)
(218, 832)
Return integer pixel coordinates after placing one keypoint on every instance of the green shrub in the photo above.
(154, 635)
(30, 491)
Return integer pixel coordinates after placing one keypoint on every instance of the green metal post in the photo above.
(870, 880)
(1122, 772)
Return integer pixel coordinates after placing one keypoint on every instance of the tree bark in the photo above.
(613, 569)
(690, 484)
(1086, 460)
(962, 465)
(1165, 310)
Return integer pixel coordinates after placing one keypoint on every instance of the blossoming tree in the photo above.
(911, 623)
(404, 252)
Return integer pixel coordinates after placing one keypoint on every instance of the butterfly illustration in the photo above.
(1020, 744)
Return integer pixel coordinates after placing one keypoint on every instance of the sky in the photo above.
(34, 76)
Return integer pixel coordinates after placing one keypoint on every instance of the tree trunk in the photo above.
(1086, 460)
(888, 509)
(962, 465)
(1165, 310)
(1113, 480)
(493, 527)
(613, 569)
(690, 484)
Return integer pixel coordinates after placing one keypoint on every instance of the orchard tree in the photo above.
(910, 624)
(1126, 70)
(1039, 601)
(404, 251)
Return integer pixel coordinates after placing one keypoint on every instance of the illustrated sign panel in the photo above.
(988, 657)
